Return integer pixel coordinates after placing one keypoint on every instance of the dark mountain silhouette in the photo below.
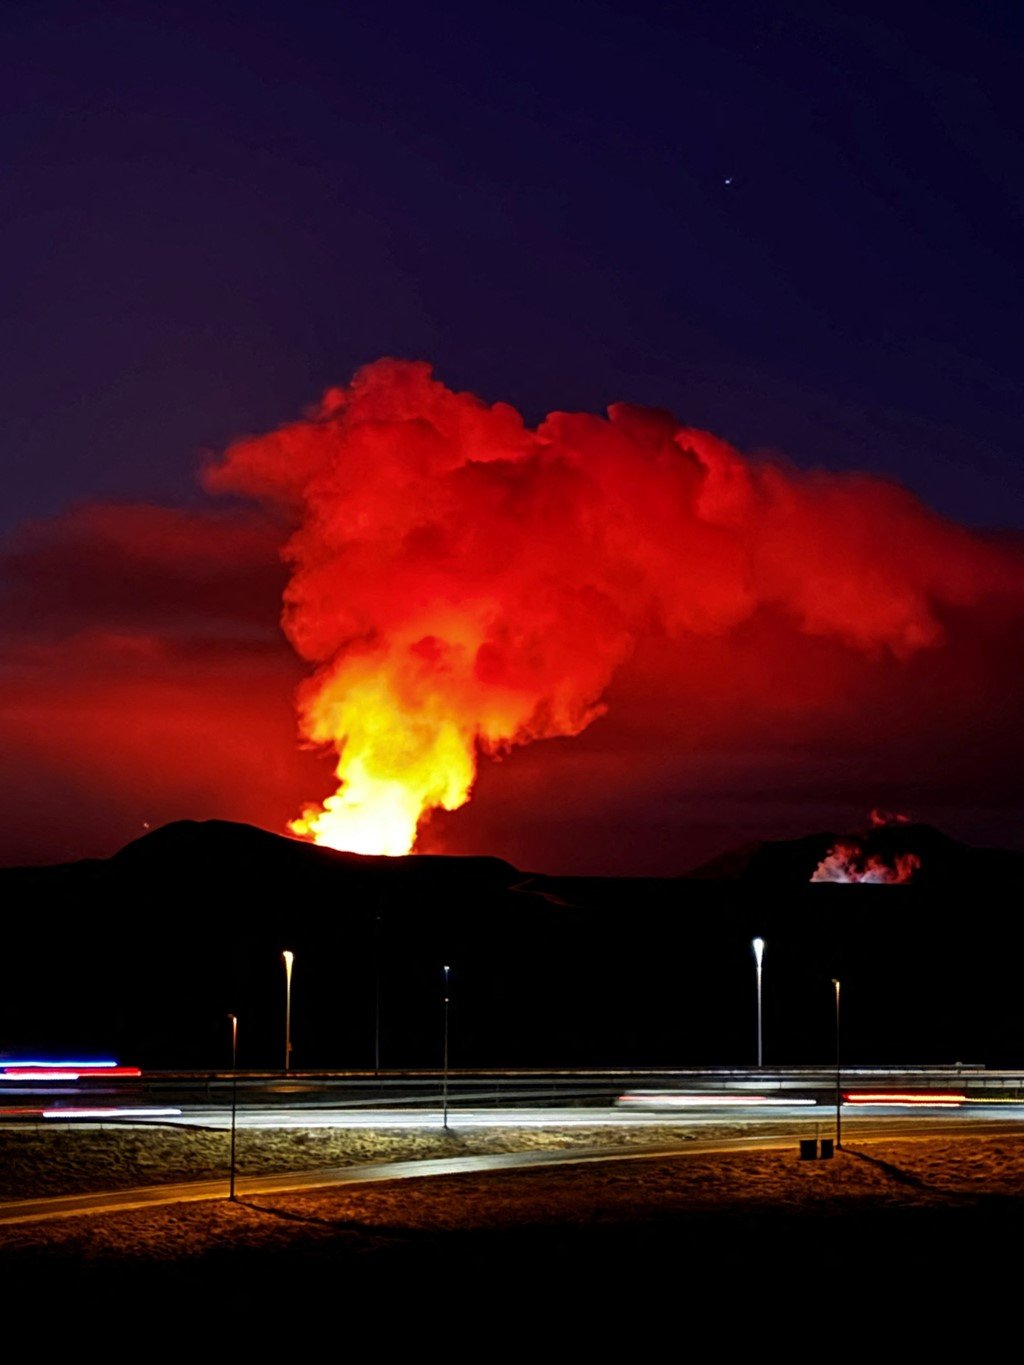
(780, 860)
(942, 860)
(143, 955)
(221, 845)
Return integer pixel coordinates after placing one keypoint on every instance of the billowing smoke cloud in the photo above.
(849, 862)
(463, 584)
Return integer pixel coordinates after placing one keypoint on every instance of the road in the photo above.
(194, 1092)
(514, 1099)
(778, 1116)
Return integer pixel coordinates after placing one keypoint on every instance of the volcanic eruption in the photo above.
(847, 861)
(462, 583)
(853, 860)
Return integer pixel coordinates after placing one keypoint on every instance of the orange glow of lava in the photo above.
(393, 766)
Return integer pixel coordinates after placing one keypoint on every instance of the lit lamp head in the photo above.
(758, 946)
(289, 958)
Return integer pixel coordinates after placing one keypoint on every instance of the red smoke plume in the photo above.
(461, 583)
(881, 818)
(848, 862)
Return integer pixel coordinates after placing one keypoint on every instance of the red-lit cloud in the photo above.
(142, 677)
(666, 645)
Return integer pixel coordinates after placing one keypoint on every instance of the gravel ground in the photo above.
(892, 1238)
(38, 1161)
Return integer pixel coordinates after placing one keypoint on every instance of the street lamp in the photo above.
(758, 946)
(445, 1089)
(376, 994)
(839, 1093)
(289, 958)
(234, 1097)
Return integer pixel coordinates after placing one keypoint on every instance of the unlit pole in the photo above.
(376, 1002)
(445, 1082)
(839, 1093)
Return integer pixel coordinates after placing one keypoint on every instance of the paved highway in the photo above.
(570, 1099)
(501, 1099)
(476, 1090)
(777, 1116)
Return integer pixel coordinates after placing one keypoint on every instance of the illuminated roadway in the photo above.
(688, 1116)
(196, 1092)
(488, 1099)
(779, 1117)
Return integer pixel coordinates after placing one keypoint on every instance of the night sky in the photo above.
(796, 226)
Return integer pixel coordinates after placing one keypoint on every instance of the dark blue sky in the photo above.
(211, 212)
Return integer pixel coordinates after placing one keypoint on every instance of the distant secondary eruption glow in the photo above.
(847, 862)
(881, 818)
(462, 583)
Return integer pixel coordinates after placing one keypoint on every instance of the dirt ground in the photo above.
(897, 1237)
(36, 1160)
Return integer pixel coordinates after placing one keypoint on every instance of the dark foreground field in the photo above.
(917, 1237)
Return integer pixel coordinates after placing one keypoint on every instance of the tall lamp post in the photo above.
(758, 946)
(289, 958)
(839, 1093)
(445, 1082)
(234, 1097)
(376, 996)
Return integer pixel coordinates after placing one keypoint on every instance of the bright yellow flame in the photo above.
(366, 815)
(394, 765)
